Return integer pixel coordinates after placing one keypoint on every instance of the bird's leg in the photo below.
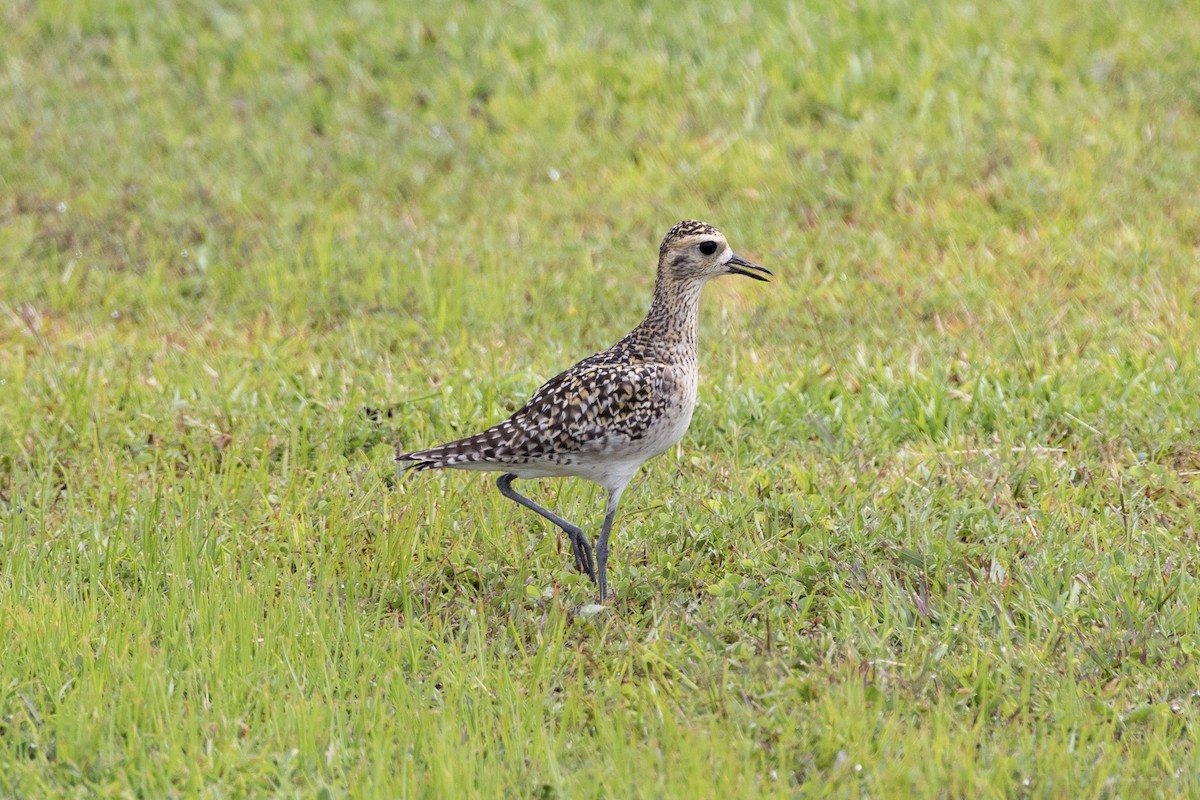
(610, 513)
(580, 545)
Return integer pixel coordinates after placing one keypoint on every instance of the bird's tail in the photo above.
(473, 451)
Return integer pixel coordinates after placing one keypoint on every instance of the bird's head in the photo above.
(696, 251)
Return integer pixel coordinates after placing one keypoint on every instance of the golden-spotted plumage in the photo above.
(590, 408)
(606, 415)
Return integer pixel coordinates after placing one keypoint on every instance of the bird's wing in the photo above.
(596, 404)
(589, 407)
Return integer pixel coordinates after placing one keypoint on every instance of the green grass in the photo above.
(933, 531)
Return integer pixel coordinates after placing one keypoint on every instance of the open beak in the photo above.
(738, 266)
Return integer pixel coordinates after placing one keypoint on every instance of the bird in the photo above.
(602, 418)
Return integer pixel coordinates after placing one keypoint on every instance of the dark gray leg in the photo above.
(602, 543)
(580, 545)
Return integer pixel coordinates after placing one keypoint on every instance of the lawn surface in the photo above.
(933, 531)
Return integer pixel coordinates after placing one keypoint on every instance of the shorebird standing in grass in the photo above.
(603, 417)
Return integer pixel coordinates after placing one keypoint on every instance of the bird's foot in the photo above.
(582, 549)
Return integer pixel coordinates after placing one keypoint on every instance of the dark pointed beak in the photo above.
(738, 266)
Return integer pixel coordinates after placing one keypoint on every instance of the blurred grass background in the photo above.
(934, 528)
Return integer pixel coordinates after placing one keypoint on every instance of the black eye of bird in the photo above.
(708, 248)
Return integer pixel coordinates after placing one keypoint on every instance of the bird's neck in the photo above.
(668, 332)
